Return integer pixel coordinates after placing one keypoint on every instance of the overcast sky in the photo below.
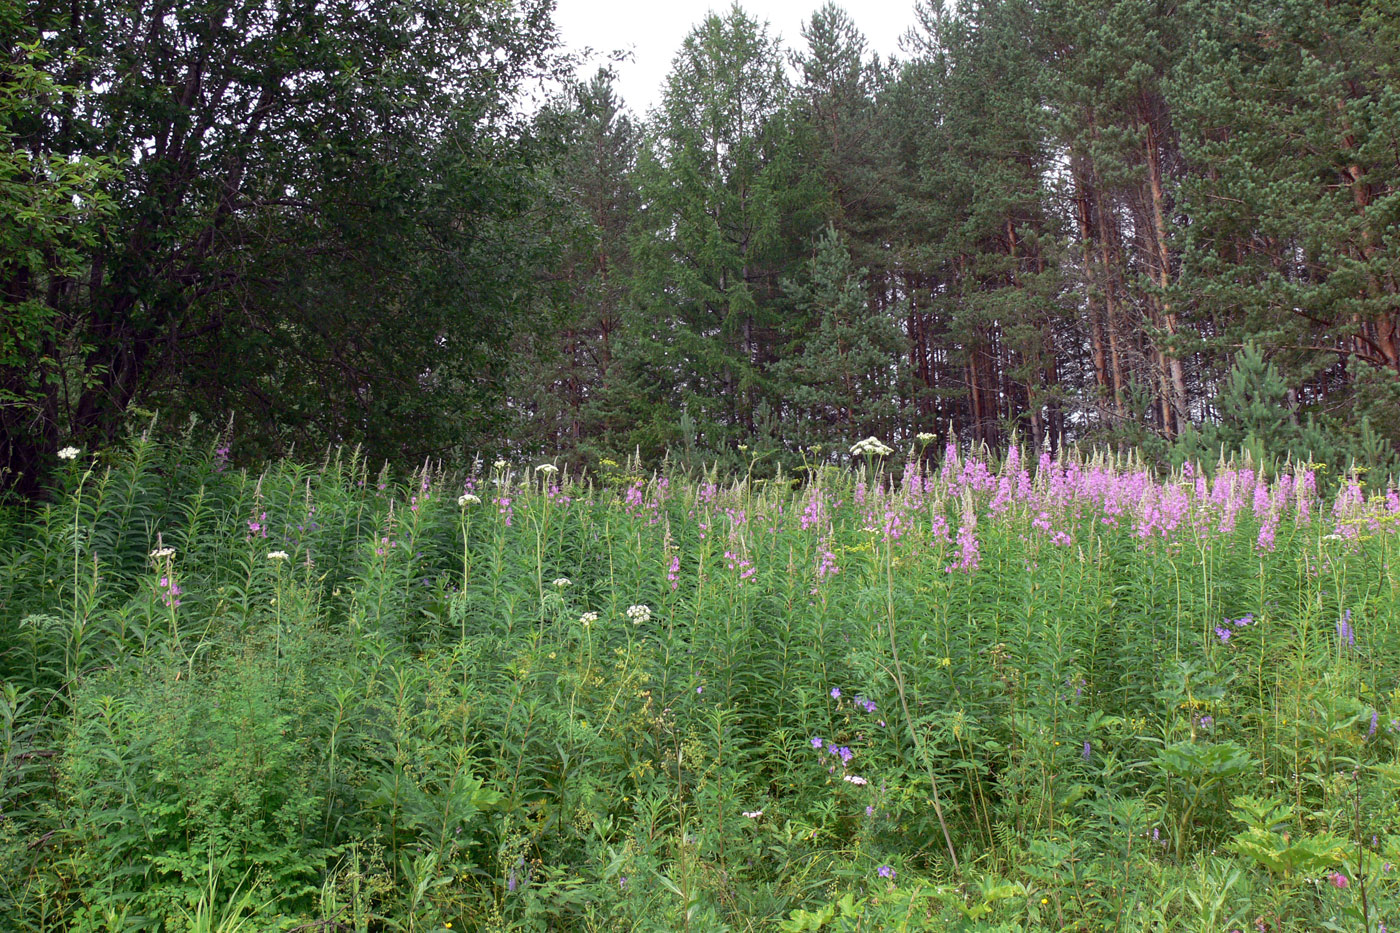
(653, 30)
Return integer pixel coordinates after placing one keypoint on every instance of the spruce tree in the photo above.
(723, 205)
(842, 380)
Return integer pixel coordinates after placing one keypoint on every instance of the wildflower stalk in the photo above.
(908, 719)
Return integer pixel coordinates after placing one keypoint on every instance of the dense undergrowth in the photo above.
(945, 695)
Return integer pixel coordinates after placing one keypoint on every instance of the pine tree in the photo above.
(1290, 111)
(567, 364)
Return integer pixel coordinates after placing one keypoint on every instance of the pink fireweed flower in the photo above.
(969, 556)
(1267, 532)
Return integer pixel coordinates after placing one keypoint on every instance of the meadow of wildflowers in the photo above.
(948, 691)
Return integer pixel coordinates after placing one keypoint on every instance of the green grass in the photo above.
(406, 724)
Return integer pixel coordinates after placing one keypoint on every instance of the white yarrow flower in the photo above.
(587, 619)
(276, 555)
(467, 499)
(161, 553)
(562, 582)
(856, 779)
(753, 814)
(69, 453)
(639, 614)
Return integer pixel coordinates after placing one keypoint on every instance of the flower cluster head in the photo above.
(547, 469)
(872, 446)
(467, 499)
(885, 871)
(639, 614)
(161, 553)
(753, 814)
(169, 591)
(923, 437)
(1338, 879)
(69, 453)
(587, 619)
(562, 582)
(836, 693)
(277, 555)
(856, 779)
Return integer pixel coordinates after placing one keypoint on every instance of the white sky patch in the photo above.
(653, 31)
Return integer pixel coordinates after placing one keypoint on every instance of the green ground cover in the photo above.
(929, 692)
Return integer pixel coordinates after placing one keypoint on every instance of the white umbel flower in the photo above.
(639, 614)
(871, 445)
(161, 553)
(467, 499)
(546, 468)
(69, 453)
(587, 619)
(276, 555)
(923, 437)
(562, 582)
(753, 814)
(856, 779)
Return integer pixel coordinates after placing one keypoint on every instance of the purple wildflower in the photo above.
(836, 693)
(885, 871)
(816, 741)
